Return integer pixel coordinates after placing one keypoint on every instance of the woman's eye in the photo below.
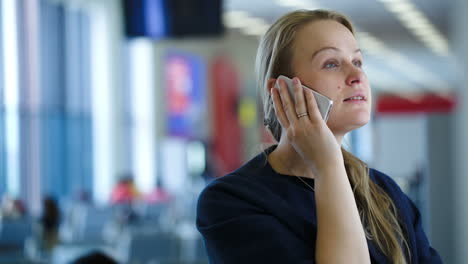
(358, 63)
(330, 65)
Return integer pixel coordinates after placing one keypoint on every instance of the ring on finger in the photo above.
(302, 114)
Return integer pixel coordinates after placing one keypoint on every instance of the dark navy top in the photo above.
(255, 215)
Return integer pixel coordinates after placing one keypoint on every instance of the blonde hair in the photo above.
(378, 213)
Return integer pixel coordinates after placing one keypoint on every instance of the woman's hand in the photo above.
(305, 128)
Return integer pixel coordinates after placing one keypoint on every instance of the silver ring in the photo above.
(302, 114)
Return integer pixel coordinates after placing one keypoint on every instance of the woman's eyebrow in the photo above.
(331, 48)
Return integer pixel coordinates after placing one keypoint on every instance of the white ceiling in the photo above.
(438, 72)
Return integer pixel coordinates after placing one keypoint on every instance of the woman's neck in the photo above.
(285, 160)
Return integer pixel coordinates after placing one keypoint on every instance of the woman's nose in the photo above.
(354, 76)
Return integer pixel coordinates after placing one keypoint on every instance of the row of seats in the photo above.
(157, 233)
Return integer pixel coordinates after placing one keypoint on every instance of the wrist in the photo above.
(330, 169)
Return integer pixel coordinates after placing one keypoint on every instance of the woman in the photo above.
(307, 200)
(50, 221)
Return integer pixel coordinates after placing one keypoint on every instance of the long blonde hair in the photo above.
(378, 213)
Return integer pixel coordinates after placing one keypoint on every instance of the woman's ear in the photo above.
(271, 84)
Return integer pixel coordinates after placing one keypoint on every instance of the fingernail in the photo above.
(295, 80)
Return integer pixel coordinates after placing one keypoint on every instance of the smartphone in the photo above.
(324, 103)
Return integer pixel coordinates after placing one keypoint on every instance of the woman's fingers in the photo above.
(288, 110)
(288, 104)
(301, 107)
(278, 106)
(312, 107)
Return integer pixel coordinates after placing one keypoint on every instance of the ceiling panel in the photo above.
(372, 17)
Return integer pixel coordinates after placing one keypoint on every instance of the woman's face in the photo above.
(326, 58)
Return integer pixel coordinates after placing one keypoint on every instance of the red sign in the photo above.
(227, 132)
(418, 103)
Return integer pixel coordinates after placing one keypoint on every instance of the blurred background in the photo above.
(115, 114)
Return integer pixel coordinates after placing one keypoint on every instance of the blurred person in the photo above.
(49, 223)
(159, 195)
(72, 217)
(12, 208)
(306, 199)
(94, 257)
(125, 191)
(123, 199)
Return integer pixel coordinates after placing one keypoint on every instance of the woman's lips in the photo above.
(355, 99)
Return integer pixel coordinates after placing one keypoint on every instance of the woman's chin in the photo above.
(362, 120)
(345, 126)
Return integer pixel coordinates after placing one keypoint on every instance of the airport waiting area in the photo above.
(115, 116)
(158, 230)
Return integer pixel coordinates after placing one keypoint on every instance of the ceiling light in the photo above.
(247, 24)
(400, 6)
(257, 30)
(303, 4)
(415, 21)
(395, 60)
(371, 44)
(234, 19)
(254, 22)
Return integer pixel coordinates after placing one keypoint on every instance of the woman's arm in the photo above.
(340, 235)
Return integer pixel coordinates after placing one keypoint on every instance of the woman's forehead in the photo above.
(325, 33)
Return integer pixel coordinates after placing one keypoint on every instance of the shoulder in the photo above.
(240, 190)
(400, 199)
(402, 202)
(410, 217)
(385, 182)
(240, 180)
